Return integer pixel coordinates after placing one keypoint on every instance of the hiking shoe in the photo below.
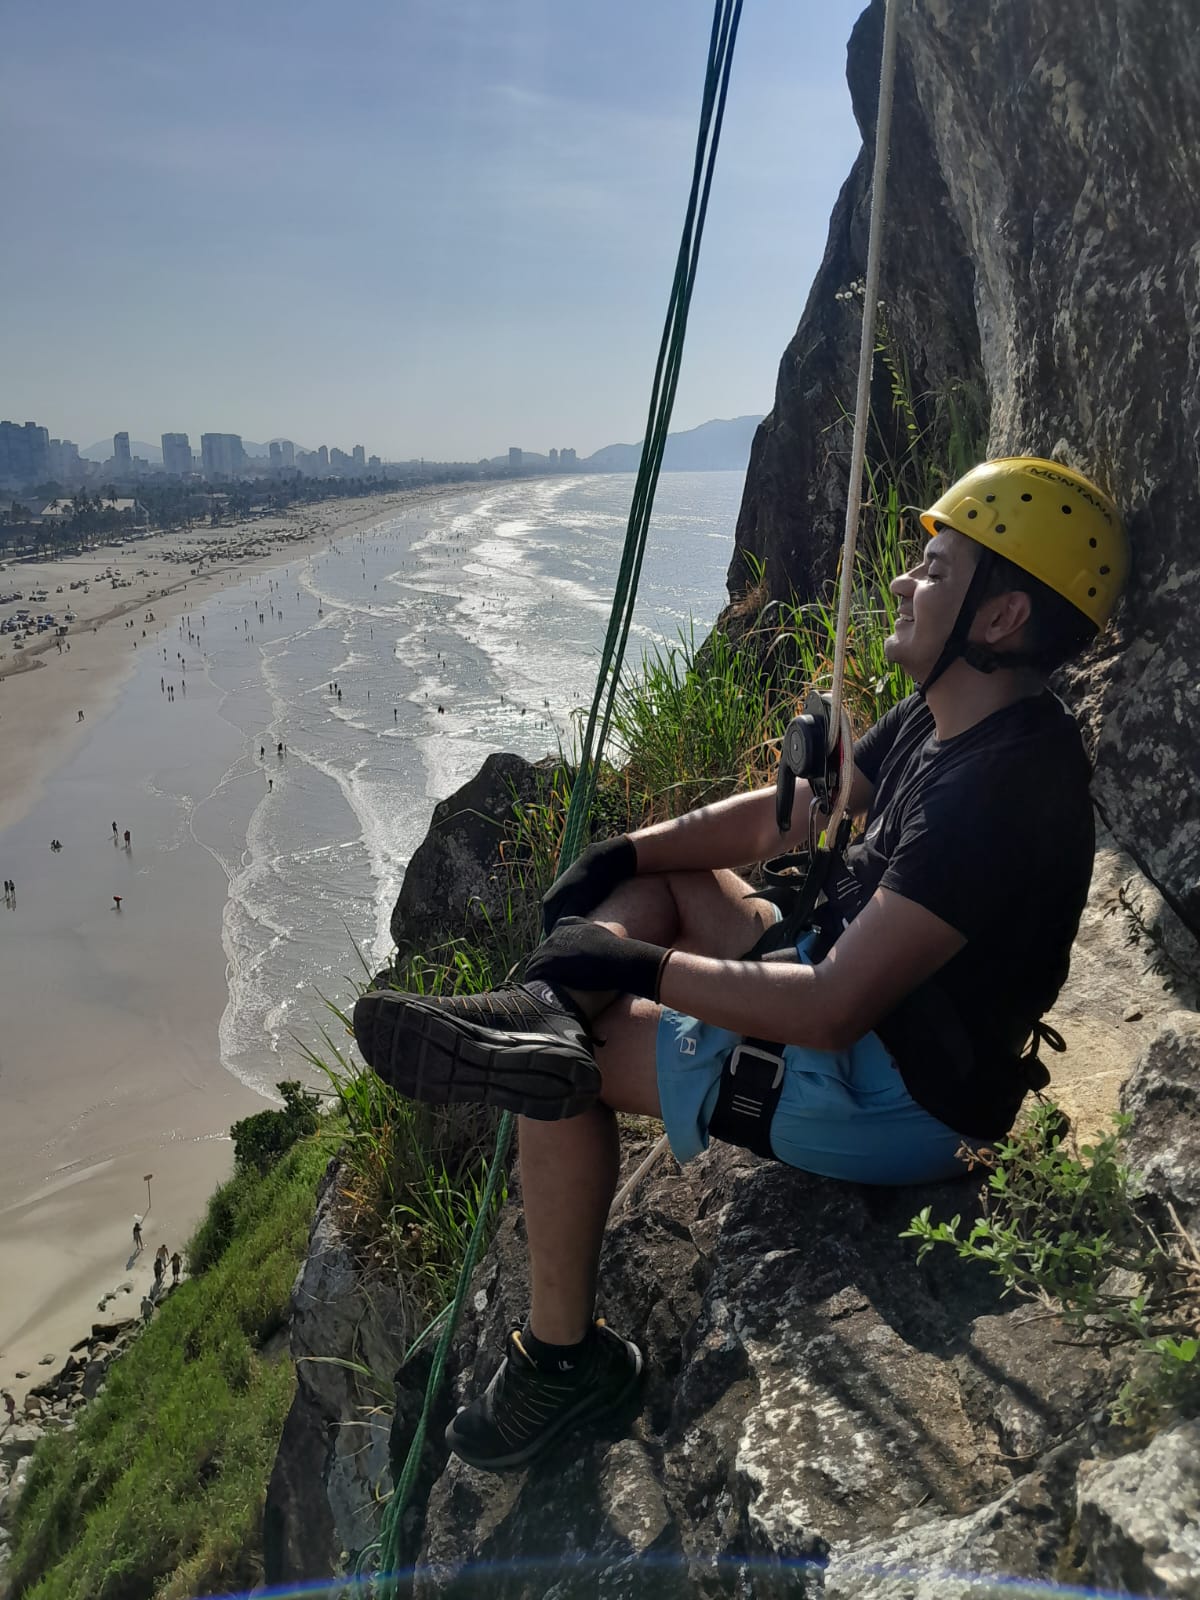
(524, 1410)
(515, 1048)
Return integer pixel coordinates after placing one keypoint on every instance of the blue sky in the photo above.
(435, 227)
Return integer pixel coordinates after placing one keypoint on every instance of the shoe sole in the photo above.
(428, 1055)
(587, 1409)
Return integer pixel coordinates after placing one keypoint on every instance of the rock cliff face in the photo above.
(820, 1412)
(1043, 218)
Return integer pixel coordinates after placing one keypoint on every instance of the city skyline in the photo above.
(450, 227)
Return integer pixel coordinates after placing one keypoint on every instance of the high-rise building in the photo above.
(323, 457)
(221, 454)
(567, 458)
(553, 457)
(275, 453)
(177, 453)
(374, 463)
(288, 451)
(339, 461)
(360, 457)
(515, 456)
(121, 458)
(24, 454)
(64, 463)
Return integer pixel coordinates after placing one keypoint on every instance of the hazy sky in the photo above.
(435, 227)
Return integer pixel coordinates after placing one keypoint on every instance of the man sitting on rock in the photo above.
(901, 1016)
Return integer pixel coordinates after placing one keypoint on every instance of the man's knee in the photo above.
(642, 908)
(719, 913)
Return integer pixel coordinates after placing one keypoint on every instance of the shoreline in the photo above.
(41, 697)
(109, 1055)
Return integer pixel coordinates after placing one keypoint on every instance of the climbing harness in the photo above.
(726, 16)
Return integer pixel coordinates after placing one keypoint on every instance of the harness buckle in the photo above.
(757, 1051)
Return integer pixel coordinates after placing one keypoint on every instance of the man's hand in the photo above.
(584, 955)
(591, 879)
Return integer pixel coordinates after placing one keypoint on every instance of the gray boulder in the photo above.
(451, 885)
(1163, 1099)
(809, 1387)
(1139, 1517)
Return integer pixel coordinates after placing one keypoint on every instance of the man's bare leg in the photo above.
(569, 1168)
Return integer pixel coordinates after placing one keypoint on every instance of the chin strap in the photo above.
(978, 656)
(956, 646)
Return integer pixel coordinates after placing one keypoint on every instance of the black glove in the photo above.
(591, 879)
(583, 955)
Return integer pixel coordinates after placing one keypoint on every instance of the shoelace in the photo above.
(514, 1006)
(511, 1005)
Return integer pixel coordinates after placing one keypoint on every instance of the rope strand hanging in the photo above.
(839, 724)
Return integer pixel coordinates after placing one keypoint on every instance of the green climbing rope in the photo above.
(726, 16)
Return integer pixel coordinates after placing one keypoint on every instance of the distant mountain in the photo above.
(718, 446)
(137, 447)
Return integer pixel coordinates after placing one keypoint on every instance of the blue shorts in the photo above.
(842, 1114)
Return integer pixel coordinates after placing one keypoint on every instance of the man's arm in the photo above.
(890, 948)
(733, 832)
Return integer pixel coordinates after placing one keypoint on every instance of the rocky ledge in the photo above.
(819, 1410)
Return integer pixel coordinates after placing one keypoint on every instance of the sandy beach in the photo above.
(42, 689)
(109, 1068)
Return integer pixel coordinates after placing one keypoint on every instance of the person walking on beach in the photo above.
(117, 899)
(147, 1308)
(138, 1246)
(127, 838)
(114, 826)
(159, 1269)
(10, 1405)
(176, 1268)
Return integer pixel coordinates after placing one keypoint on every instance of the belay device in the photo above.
(808, 752)
(812, 750)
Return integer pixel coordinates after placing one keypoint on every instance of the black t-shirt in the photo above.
(993, 832)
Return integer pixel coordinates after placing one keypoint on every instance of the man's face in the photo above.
(930, 595)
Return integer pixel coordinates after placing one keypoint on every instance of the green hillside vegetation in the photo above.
(158, 1493)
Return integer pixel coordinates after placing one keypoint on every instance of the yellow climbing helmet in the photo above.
(1046, 519)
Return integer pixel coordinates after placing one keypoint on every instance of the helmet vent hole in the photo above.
(1066, 511)
(990, 498)
(1092, 542)
(1091, 594)
(1104, 571)
(1000, 526)
(971, 515)
(1026, 497)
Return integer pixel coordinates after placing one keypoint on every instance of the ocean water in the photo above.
(454, 630)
